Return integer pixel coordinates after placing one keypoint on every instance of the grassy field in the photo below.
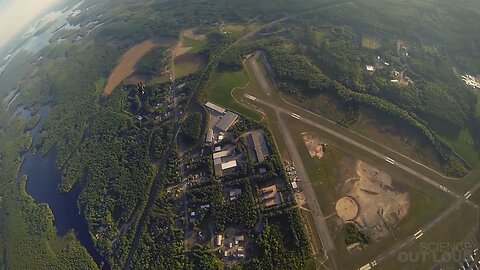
(158, 80)
(99, 85)
(478, 102)
(235, 28)
(464, 146)
(444, 245)
(187, 64)
(220, 88)
(195, 44)
(240, 28)
(370, 42)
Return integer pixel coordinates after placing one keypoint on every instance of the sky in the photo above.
(16, 14)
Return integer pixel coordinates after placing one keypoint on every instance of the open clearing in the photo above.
(380, 205)
(126, 64)
(370, 42)
(187, 64)
(465, 146)
(315, 147)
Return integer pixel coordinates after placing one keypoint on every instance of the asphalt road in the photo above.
(307, 189)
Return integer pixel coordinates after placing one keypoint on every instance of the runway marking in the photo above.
(390, 160)
(296, 116)
(250, 97)
(365, 267)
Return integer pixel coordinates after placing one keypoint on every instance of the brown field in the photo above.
(126, 64)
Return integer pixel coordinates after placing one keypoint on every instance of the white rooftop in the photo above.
(228, 165)
(220, 154)
(214, 107)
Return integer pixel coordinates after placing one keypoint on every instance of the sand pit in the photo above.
(347, 208)
(380, 205)
(126, 64)
(315, 147)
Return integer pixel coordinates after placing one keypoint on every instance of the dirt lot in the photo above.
(127, 62)
(380, 205)
(316, 148)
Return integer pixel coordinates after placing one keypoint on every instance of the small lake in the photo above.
(42, 185)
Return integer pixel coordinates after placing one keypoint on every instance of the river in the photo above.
(42, 185)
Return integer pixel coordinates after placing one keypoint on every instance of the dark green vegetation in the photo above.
(276, 236)
(117, 156)
(192, 126)
(152, 62)
(354, 235)
(312, 57)
(162, 241)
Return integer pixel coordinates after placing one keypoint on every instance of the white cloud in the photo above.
(16, 14)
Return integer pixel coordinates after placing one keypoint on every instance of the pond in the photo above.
(42, 185)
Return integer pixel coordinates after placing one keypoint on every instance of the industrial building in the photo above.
(270, 196)
(257, 142)
(226, 121)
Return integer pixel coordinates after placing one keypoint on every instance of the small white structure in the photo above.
(471, 81)
(394, 81)
(234, 193)
(229, 165)
(219, 240)
(294, 185)
(370, 68)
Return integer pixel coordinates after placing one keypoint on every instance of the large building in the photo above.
(257, 142)
(226, 121)
(270, 196)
